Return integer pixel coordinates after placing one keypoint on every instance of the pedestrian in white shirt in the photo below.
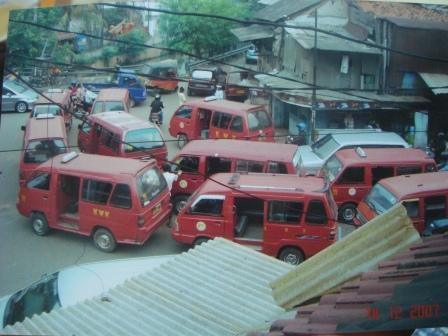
(181, 95)
(169, 176)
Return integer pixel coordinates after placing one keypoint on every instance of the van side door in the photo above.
(108, 143)
(351, 185)
(219, 127)
(36, 195)
(85, 137)
(192, 176)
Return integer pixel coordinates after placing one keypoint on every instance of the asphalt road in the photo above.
(24, 257)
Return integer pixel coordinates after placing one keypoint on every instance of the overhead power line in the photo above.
(281, 25)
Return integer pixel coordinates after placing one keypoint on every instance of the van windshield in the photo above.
(142, 139)
(39, 151)
(108, 106)
(332, 168)
(47, 109)
(149, 185)
(258, 120)
(202, 74)
(325, 147)
(379, 199)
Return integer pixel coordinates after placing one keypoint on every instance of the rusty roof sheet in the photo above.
(434, 81)
(284, 9)
(403, 293)
(253, 32)
(218, 288)
(417, 23)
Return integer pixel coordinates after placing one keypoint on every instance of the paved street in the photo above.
(24, 257)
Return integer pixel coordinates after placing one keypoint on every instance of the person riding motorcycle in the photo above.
(157, 108)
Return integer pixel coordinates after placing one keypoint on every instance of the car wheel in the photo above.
(291, 255)
(39, 224)
(347, 213)
(200, 241)
(131, 102)
(179, 203)
(104, 240)
(182, 140)
(21, 107)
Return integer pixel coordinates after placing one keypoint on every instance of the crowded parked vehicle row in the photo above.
(230, 179)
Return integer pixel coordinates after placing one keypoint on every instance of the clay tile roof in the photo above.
(404, 293)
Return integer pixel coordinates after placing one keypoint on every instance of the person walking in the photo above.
(157, 107)
(169, 176)
(181, 96)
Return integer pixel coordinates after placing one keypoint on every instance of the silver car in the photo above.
(17, 97)
(72, 285)
(312, 158)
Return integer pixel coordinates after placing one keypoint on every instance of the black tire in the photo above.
(200, 241)
(291, 255)
(182, 140)
(178, 203)
(21, 107)
(347, 213)
(104, 240)
(39, 224)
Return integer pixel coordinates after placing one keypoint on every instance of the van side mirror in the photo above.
(23, 128)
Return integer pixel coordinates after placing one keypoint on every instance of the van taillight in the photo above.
(332, 235)
(140, 220)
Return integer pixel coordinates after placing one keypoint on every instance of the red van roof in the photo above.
(99, 165)
(249, 150)
(56, 97)
(266, 183)
(382, 156)
(119, 121)
(408, 186)
(112, 95)
(45, 128)
(224, 105)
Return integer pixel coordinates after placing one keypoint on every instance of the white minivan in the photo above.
(312, 158)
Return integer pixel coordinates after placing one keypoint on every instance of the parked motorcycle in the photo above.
(300, 138)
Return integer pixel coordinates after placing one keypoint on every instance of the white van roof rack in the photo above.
(210, 98)
(45, 116)
(68, 157)
(360, 152)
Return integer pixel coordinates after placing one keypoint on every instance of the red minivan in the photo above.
(212, 118)
(60, 105)
(200, 159)
(45, 136)
(285, 216)
(121, 134)
(113, 200)
(425, 197)
(351, 173)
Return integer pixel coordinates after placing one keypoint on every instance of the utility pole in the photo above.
(313, 99)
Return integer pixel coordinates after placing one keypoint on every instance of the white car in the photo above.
(17, 97)
(72, 285)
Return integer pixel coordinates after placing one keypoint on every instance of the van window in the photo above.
(39, 151)
(108, 106)
(208, 206)
(412, 208)
(243, 166)
(379, 199)
(325, 146)
(184, 112)
(277, 168)
(409, 170)
(86, 127)
(142, 139)
(149, 185)
(40, 181)
(435, 207)
(285, 212)
(96, 191)
(216, 165)
(258, 120)
(47, 109)
(316, 213)
(352, 175)
(221, 120)
(237, 124)
(379, 173)
(110, 140)
(121, 197)
(188, 164)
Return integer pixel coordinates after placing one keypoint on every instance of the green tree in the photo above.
(201, 36)
(134, 36)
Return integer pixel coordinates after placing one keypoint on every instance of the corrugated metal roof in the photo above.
(436, 80)
(218, 288)
(329, 43)
(253, 32)
(284, 8)
(417, 24)
(359, 251)
(404, 293)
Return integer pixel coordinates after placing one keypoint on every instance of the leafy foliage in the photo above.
(134, 36)
(197, 34)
